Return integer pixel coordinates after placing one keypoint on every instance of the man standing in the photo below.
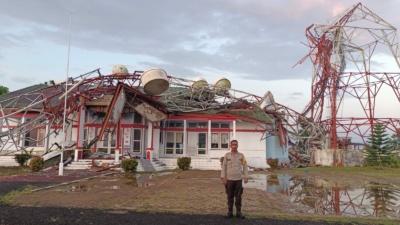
(234, 169)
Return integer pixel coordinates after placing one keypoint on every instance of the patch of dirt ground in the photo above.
(199, 192)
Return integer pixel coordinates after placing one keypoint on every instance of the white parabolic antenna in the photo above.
(120, 70)
(222, 85)
(155, 81)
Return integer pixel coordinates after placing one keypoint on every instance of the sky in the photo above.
(254, 43)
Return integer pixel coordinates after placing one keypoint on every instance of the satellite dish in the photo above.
(199, 84)
(120, 70)
(155, 81)
(200, 90)
(222, 85)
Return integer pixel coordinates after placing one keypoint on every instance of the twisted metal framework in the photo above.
(45, 102)
(343, 54)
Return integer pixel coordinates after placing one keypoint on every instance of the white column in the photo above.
(184, 137)
(149, 134)
(116, 156)
(234, 130)
(209, 137)
(149, 139)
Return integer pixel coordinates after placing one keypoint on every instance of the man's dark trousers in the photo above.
(234, 190)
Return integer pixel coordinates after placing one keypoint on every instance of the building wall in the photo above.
(275, 150)
(251, 144)
(249, 136)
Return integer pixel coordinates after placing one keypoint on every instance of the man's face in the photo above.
(234, 146)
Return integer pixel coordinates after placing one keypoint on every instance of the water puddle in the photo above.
(319, 196)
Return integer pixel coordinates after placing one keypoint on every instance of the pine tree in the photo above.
(379, 151)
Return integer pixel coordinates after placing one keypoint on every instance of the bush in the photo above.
(36, 163)
(184, 163)
(394, 161)
(22, 159)
(129, 165)
(273, 163)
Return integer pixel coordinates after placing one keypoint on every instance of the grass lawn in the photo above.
(349, 175)
(8, 171)
(192, 192)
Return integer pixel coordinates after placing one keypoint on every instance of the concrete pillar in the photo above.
(209, 137)
(234, 130)
(184, 137)
(149, 140)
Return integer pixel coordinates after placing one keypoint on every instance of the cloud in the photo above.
(254, 39)
(23, 79)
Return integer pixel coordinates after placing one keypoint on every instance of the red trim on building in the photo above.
(199, 116)
(26, 115)
(250, 130)
(172, 129)
(133, 125)
(193, 129)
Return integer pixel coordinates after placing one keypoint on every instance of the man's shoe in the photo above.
(229, 215)
(239, 215)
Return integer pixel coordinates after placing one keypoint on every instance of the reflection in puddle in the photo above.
(321, 197)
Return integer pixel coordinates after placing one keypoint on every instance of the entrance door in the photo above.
(136, 137)
(202, 143)
(133, 141)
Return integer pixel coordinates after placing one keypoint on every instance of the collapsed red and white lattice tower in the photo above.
(352, 88)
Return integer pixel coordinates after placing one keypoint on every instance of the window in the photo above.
(170, 143)
(94, 117)
(202, 143)
(219, 124)
(197, 125)
(108, 143)
(85, 136)
(224, 140)
(137, 118)
(174, 143)
(34, 137)
(215, 140)
(174, 123)
(219, 140)
(129, 117)
(179, 143)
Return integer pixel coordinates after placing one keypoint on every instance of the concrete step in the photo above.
(77, 167)
(8, 161)
(81, 163)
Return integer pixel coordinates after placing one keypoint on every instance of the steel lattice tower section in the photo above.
(343, 54)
